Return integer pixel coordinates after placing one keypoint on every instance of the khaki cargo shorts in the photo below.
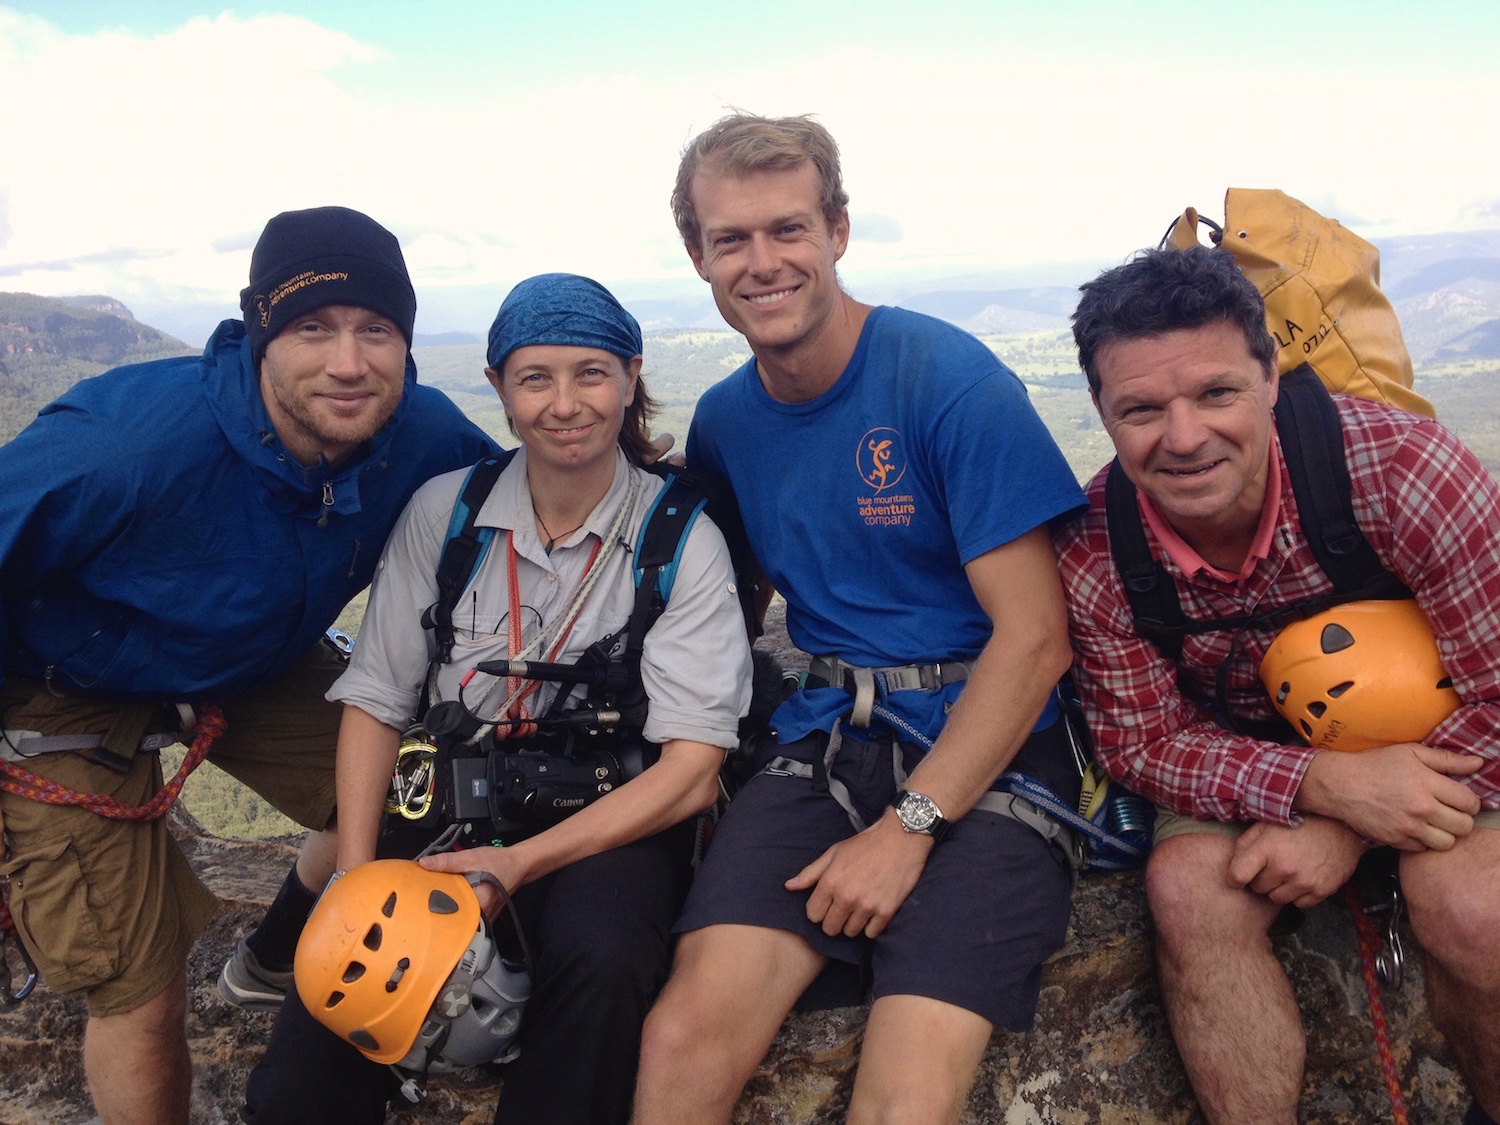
(109, 907)
(1169, 824)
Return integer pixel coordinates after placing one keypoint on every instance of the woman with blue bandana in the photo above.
(596, 892)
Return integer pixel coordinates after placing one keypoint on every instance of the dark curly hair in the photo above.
(1161, 291)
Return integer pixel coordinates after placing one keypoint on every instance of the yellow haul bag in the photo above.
(1321, 285)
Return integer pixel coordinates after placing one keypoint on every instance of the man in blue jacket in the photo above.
(182, 533)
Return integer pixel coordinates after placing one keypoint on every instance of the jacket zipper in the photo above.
(327, 503)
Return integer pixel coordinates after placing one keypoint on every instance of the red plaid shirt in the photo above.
(1431, 513)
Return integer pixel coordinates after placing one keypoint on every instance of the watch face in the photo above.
(918, 812)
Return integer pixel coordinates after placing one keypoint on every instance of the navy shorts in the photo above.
(990, 907)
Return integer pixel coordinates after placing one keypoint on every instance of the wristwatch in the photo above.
(918, 812)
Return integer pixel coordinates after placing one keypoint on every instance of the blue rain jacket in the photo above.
(157, 541)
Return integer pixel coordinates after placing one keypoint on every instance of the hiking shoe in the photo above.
(248, 984)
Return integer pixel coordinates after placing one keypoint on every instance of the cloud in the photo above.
(115, 257)
(169, 140)
(1484, 212)
(869, 226)
(145, 166)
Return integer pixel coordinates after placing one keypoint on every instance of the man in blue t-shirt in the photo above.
(896, 487)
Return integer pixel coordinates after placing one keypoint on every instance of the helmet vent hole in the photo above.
(1317, 708)
(373, 937)
(334, 999)
(390, 905)
(353, 972)
(440, 903)
(1339, 689)
(1307, 732)
(363, 1038)
(1445, 684)
(1335, 638)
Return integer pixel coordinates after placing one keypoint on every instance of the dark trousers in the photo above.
(600, 934)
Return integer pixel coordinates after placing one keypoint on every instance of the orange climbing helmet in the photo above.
(398, 961)
(1359, 675)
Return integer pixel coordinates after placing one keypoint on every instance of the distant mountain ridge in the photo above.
(1445, 288)
(47, 344)
(94, 329)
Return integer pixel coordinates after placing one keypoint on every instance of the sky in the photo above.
(146, 144)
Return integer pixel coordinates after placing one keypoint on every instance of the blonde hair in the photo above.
(742, 143)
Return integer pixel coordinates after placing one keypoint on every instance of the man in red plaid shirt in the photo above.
(1184, 374)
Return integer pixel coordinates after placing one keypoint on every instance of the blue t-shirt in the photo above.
(864, 504)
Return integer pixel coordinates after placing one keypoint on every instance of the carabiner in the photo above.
(413, 779)
(8, 995)
(1390, 962)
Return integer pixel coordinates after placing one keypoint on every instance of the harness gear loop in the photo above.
(414, 776)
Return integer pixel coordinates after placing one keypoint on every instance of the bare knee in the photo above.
(679, 1034)
(162, 1016)
(1460, 929)
(137, 1062)
(689, 1070)
(1454, 902)
(1194, 907)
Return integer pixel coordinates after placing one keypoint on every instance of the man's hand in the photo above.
(503, 863)
(1400, 795)
(860, 883)
(1301, 866)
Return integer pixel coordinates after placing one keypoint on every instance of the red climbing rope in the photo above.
(23, 783)
(1369, 943)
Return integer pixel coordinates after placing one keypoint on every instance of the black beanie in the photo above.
(324, 256)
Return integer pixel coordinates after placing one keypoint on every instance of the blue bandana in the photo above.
(562, 308)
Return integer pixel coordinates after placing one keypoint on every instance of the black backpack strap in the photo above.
(656, 554)
(463, 550)
(1148, 587)
(1312, 443)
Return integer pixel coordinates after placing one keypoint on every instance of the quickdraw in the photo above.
(24, 783)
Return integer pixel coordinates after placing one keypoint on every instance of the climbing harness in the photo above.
(1110, 830)
(23, 783)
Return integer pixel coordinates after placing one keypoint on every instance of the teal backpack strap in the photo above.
(463, 550)
(658, 550)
